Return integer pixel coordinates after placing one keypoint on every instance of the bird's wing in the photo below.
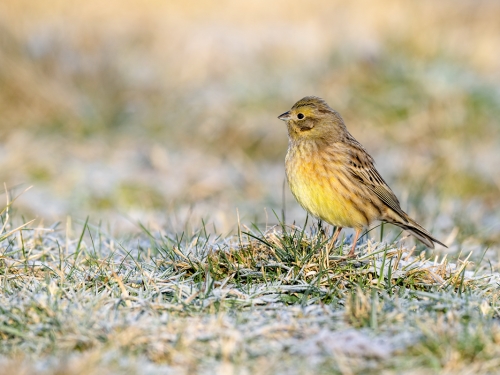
(360, 164)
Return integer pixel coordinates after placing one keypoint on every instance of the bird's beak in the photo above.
(285, 116)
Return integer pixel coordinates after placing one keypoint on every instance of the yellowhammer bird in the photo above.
(333, 177)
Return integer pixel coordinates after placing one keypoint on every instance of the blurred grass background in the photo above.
(168, 109)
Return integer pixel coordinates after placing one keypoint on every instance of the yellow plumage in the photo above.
(320, 195)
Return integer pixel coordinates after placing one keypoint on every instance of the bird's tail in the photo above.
(418, 231)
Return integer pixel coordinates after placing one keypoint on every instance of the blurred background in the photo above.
(165, 112)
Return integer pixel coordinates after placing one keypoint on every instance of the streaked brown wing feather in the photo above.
(361, 166)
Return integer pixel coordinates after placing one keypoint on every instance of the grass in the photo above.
(165, 106)
(277, 300)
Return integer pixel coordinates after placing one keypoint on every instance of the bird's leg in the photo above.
(331, 244)
(335, 235)
(356, 236)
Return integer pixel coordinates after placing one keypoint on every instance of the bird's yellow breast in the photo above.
(321, 188)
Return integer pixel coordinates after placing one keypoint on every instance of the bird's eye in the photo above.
(300, 116)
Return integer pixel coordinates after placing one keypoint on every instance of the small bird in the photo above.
(333, 177)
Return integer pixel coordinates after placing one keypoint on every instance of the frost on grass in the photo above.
(280, 301)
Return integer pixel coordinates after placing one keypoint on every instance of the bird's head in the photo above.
(311, 118)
